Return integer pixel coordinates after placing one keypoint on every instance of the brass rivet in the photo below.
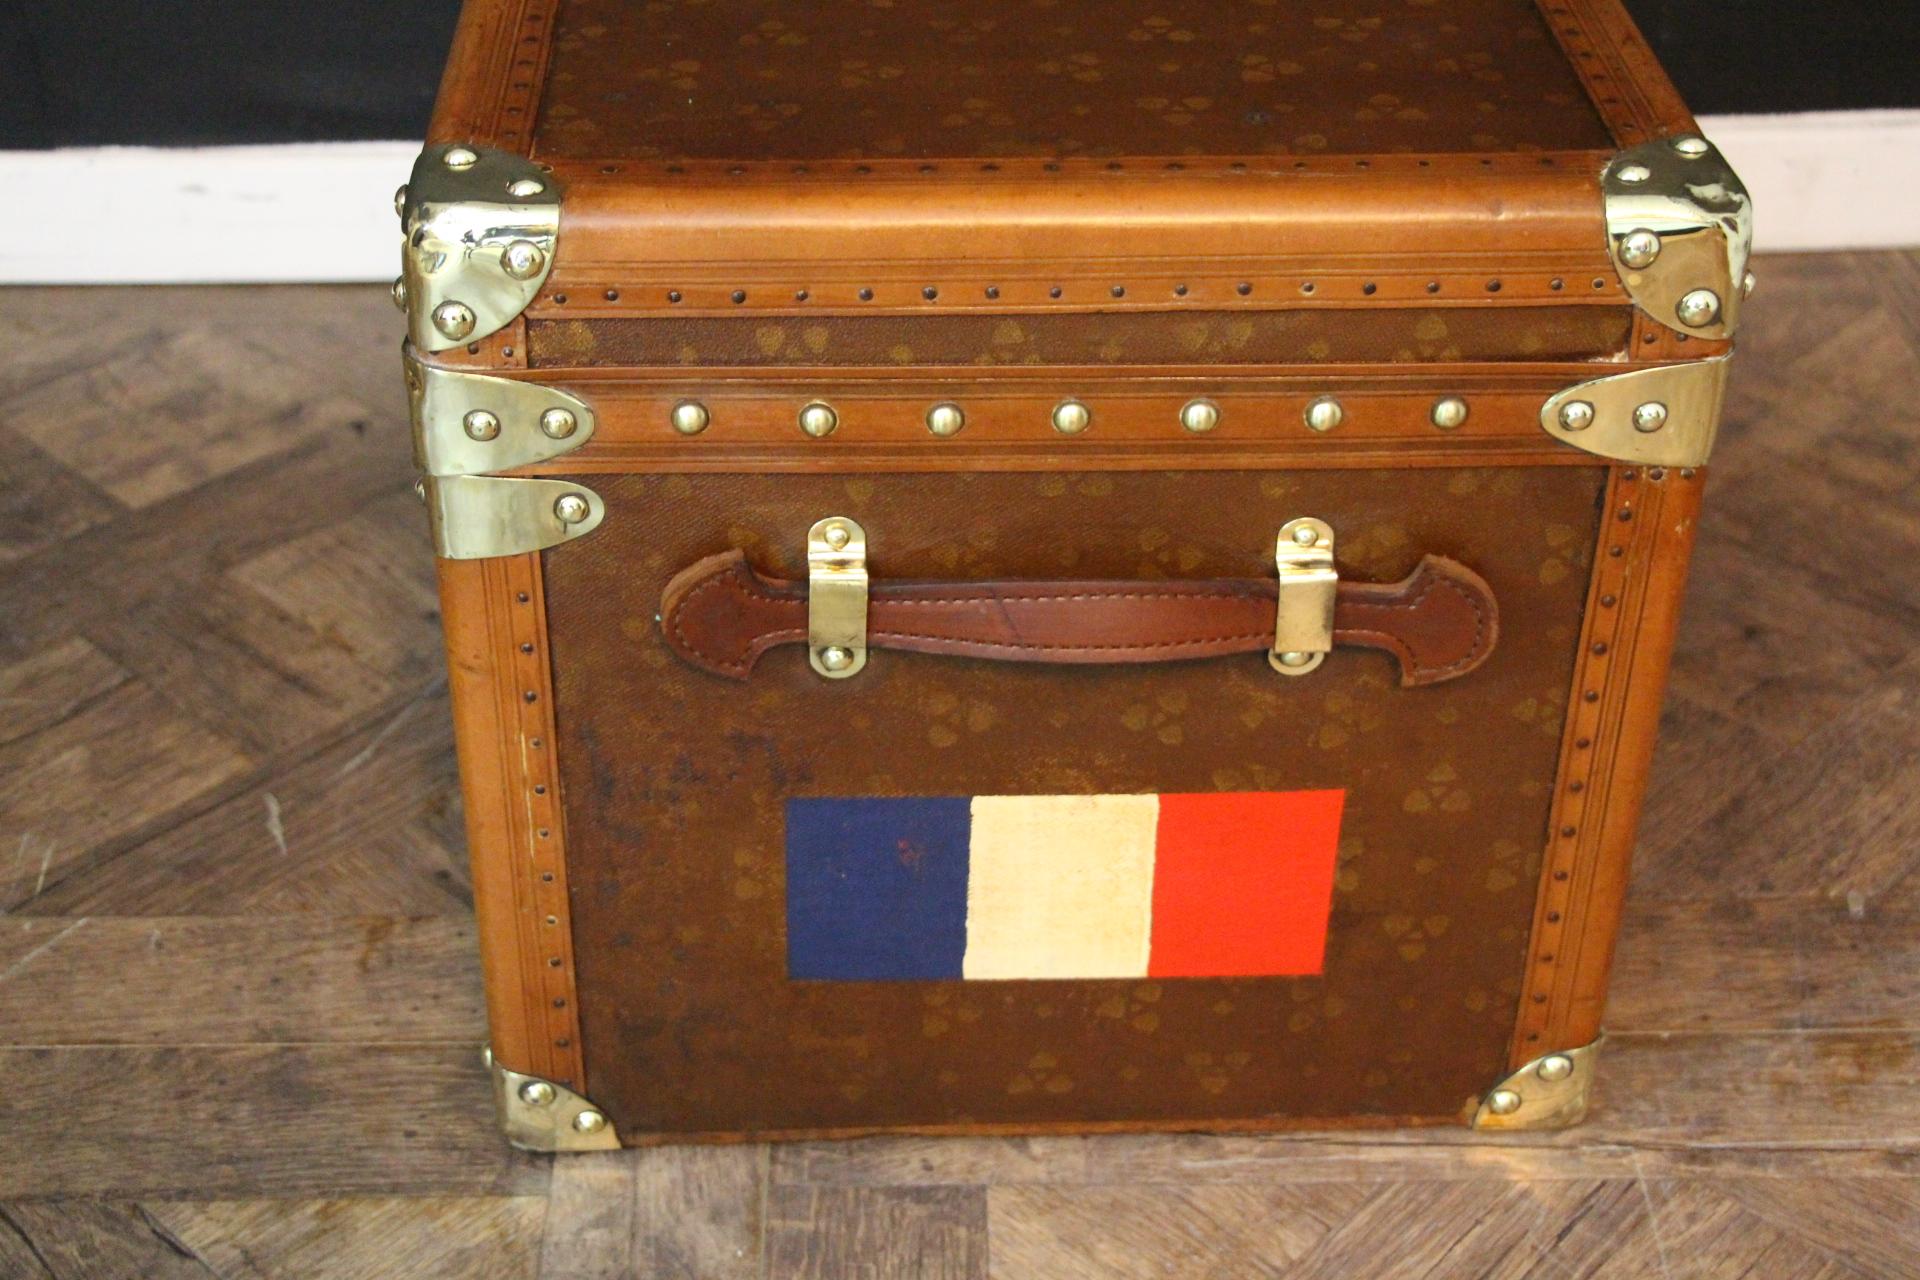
(571, 508)
(522, 259)
(559, 423)
(537, 1093)
(818, 419)
(1070, 417)
(1690, 146)
(400, 201)
(1306, 535)
(589, 1122)
(1639, 248)
(945, 420)
(1503, 1102)
(837, 536)
(1325, 414)
(482, 425)
(1698, 308)
(690, 418)
(454, 319)
(459, 158)
(420, 489)
(1199, 416)
(525, 187)
(1293, 658)
(1449, 413)
(1633, 173)
(399, 292)
(836, 658)
(1557, 1067)
(1747, 282)
(1650, 416)
(1576, 415)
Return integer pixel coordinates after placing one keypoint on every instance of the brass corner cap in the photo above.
(1550, 1092)
(540, 1115)
(1680, 229)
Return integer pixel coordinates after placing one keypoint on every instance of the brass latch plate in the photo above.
(480, 227)
(478, 517)
(468, 423)
(837, 597)
(1666, 416)
(1680, 227)
(1303, 613)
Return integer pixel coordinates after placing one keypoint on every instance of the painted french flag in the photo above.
(1226, 884)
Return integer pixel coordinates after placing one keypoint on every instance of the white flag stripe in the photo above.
(1060, 886)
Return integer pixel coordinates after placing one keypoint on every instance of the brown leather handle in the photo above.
(1440, 621)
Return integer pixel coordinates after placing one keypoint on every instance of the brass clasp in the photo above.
(837, 597)
(1303, 616)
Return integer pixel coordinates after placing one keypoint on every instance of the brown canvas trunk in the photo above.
(1061, 321)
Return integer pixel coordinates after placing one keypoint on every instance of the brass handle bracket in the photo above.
(837, 597)
(1303, 615)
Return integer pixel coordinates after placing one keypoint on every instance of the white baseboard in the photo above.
(322, 212)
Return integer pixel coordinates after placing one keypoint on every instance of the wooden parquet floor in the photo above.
(239, 1002)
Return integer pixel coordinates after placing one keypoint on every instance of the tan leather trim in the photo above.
(1625, 81)
(495, 621)
(491, 86)
(1633, 612)
(1440, 622)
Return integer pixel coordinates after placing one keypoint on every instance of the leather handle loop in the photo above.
(1439, 622)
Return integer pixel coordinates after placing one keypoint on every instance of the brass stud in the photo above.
(1689, 146)
(1070, 417)
(1650, 417)
(537, 1093)
(399, 292)
(1554, 1067)
(1747, 282)
(1325, 414)
(945, 420)
(1306, 535)
(1639, 248)
(400, 202)
(1633, 174)
(818, 419)
(836, 657)
(1449, 413)
(571, 508)
(522, 259)
(1698, 308)
(1295, 659)
(525, 187)
(482, 425)
(1576, 415)
(589, 1122)
(454, 319)
(1199, 416)
(1503, 1102)
(689, 417)
(558, 423)
(460, 158)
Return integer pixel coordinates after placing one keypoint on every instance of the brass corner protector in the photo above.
(467, 423)
(1680, 228)
(1664, 416)
(478, 517)
(539, 1115)
(480, 227)
(1551, 1092)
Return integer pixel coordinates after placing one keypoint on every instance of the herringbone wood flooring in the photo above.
(239, 1002)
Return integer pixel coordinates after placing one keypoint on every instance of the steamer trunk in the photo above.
(1039, 566)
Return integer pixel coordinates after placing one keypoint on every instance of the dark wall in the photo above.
(97, 72)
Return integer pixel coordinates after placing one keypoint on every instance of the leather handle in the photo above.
(1440, 621)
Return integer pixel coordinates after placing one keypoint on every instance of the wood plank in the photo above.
(370, 1238)
(366, 825)
(864, 1233)
(123, 760)
(44, 688)
(675, 1213)
(294, 979)
(155, 421)
(41, 502)
(247, 1122)
(88, 1238)
(1872, 1224)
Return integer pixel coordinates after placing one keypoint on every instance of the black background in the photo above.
(102, 72)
